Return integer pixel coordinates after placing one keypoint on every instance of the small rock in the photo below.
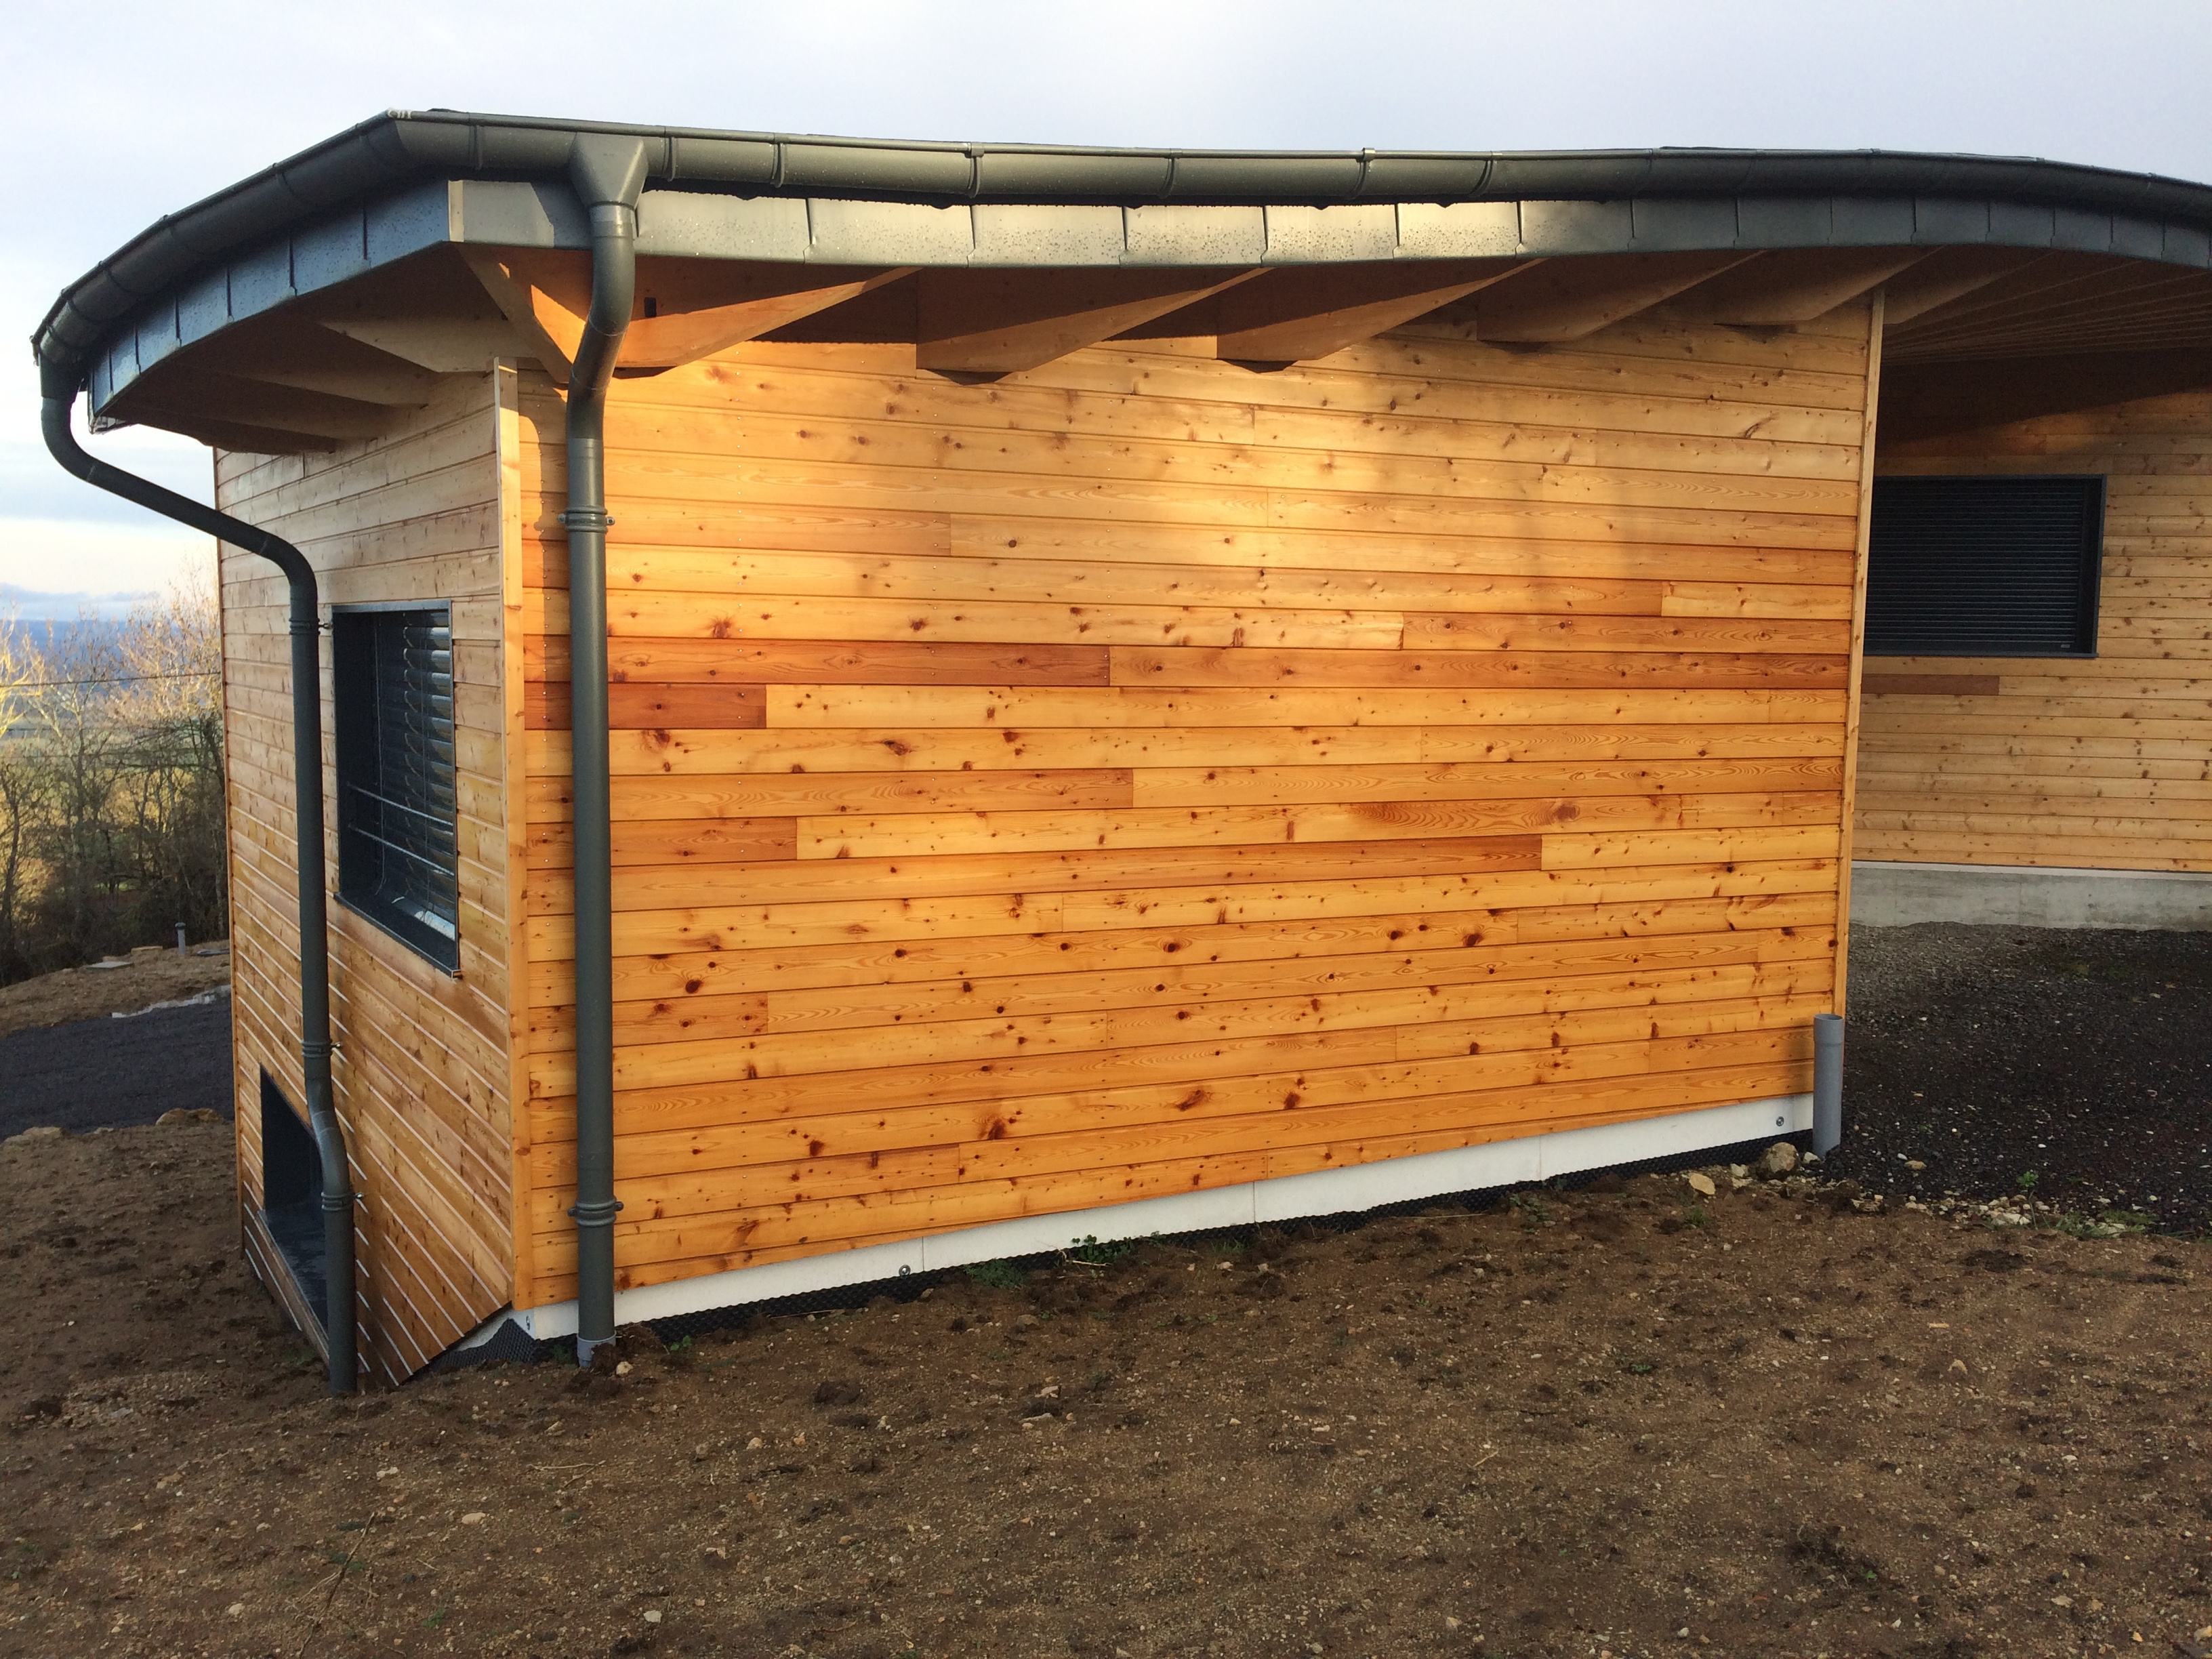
(1450, 1622)
(1778, 1160)
(1700, 1183)
(1025, 1323)
(45, 1132)
(206, 1114)
(473, 1518)
(755, 1443)
(621, 1368)
(1958, 1368)
(653, 1615)
(1915, 1166)
(174, 1117)
(236, 1610)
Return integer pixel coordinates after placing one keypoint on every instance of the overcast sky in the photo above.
(119, 114)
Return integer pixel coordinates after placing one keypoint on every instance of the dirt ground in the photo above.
(2072, 1067)
(1641, 1422)
(151, 974)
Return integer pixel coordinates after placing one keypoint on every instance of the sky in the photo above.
(116, 121)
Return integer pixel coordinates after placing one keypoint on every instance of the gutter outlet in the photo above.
(1827, 1082)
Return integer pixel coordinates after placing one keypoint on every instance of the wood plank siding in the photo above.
(422, 1072)
(2091, 763)
(1142, 773)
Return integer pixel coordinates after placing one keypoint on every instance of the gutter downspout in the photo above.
(608, 172)
(338, 1313)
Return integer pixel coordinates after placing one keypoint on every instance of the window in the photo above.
(398, 860)
(1985, 567)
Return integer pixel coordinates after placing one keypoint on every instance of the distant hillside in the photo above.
(24, 604)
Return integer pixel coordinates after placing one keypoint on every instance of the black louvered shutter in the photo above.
(398, 860)
(2003, 566)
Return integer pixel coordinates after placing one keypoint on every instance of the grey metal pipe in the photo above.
(1827, 1082)
(609, 174)
(339, 1314)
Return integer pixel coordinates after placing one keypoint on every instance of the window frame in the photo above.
(2089, 592)
(354, 707)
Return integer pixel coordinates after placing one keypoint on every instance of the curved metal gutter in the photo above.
(607, 172)
(338, 1312)
(401, 148)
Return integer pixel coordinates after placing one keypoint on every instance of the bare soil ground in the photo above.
(1634, 1422)
(151, 974)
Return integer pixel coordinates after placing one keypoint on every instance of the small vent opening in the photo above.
(292, 1193)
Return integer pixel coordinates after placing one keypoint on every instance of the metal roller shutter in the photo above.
(1998, 567)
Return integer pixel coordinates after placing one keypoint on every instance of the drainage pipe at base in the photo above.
(338, 1313)
(1827, 1082)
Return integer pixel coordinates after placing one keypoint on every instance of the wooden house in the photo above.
(1142, 690)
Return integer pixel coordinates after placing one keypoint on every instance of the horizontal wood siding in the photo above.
(2103, 763)
(1143, 774)
(423, 1072)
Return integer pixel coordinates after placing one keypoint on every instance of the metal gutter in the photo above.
(399, 149)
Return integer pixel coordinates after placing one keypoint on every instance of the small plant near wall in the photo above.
(999, 1275)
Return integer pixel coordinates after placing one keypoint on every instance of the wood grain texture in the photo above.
(426, 1062)
(2086, 763)
(1026, 786)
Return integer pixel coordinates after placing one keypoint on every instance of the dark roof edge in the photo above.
(401, 146)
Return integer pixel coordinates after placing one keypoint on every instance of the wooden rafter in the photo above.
(726, 305)
(1563, 300)
(1000, 322)
(284, 348)
(1796, 285)
(428, 311)
(1949, 275)
(523, 286)
(1298, 312)
(184, 388)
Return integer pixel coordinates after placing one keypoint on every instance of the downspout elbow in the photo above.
(339, 1311)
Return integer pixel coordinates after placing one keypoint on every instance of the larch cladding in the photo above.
(422, 1072)
(2103, 762)
(1145, 774)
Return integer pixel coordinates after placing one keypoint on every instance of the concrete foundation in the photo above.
(2026, 895)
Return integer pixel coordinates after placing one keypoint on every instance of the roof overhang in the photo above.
(817, 222)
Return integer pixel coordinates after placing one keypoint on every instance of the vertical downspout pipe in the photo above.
(608, 172)
(308, 807)
(1827, 1082)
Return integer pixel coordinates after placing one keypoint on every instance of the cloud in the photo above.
(51, 566)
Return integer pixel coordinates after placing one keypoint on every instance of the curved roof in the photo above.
(374, 180)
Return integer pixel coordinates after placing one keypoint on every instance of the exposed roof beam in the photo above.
(727, 305)
(521, 285)
(286, 348)
(1000, 322)
(1921, 400)
(1296, 312)
(234, 435)
(1563, 300)
(182, 387)
(1796, 285)
(1947, 275)
(430, 311)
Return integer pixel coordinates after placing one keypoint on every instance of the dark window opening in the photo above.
(398, 861)
(1985, 567)
(292, 1193)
